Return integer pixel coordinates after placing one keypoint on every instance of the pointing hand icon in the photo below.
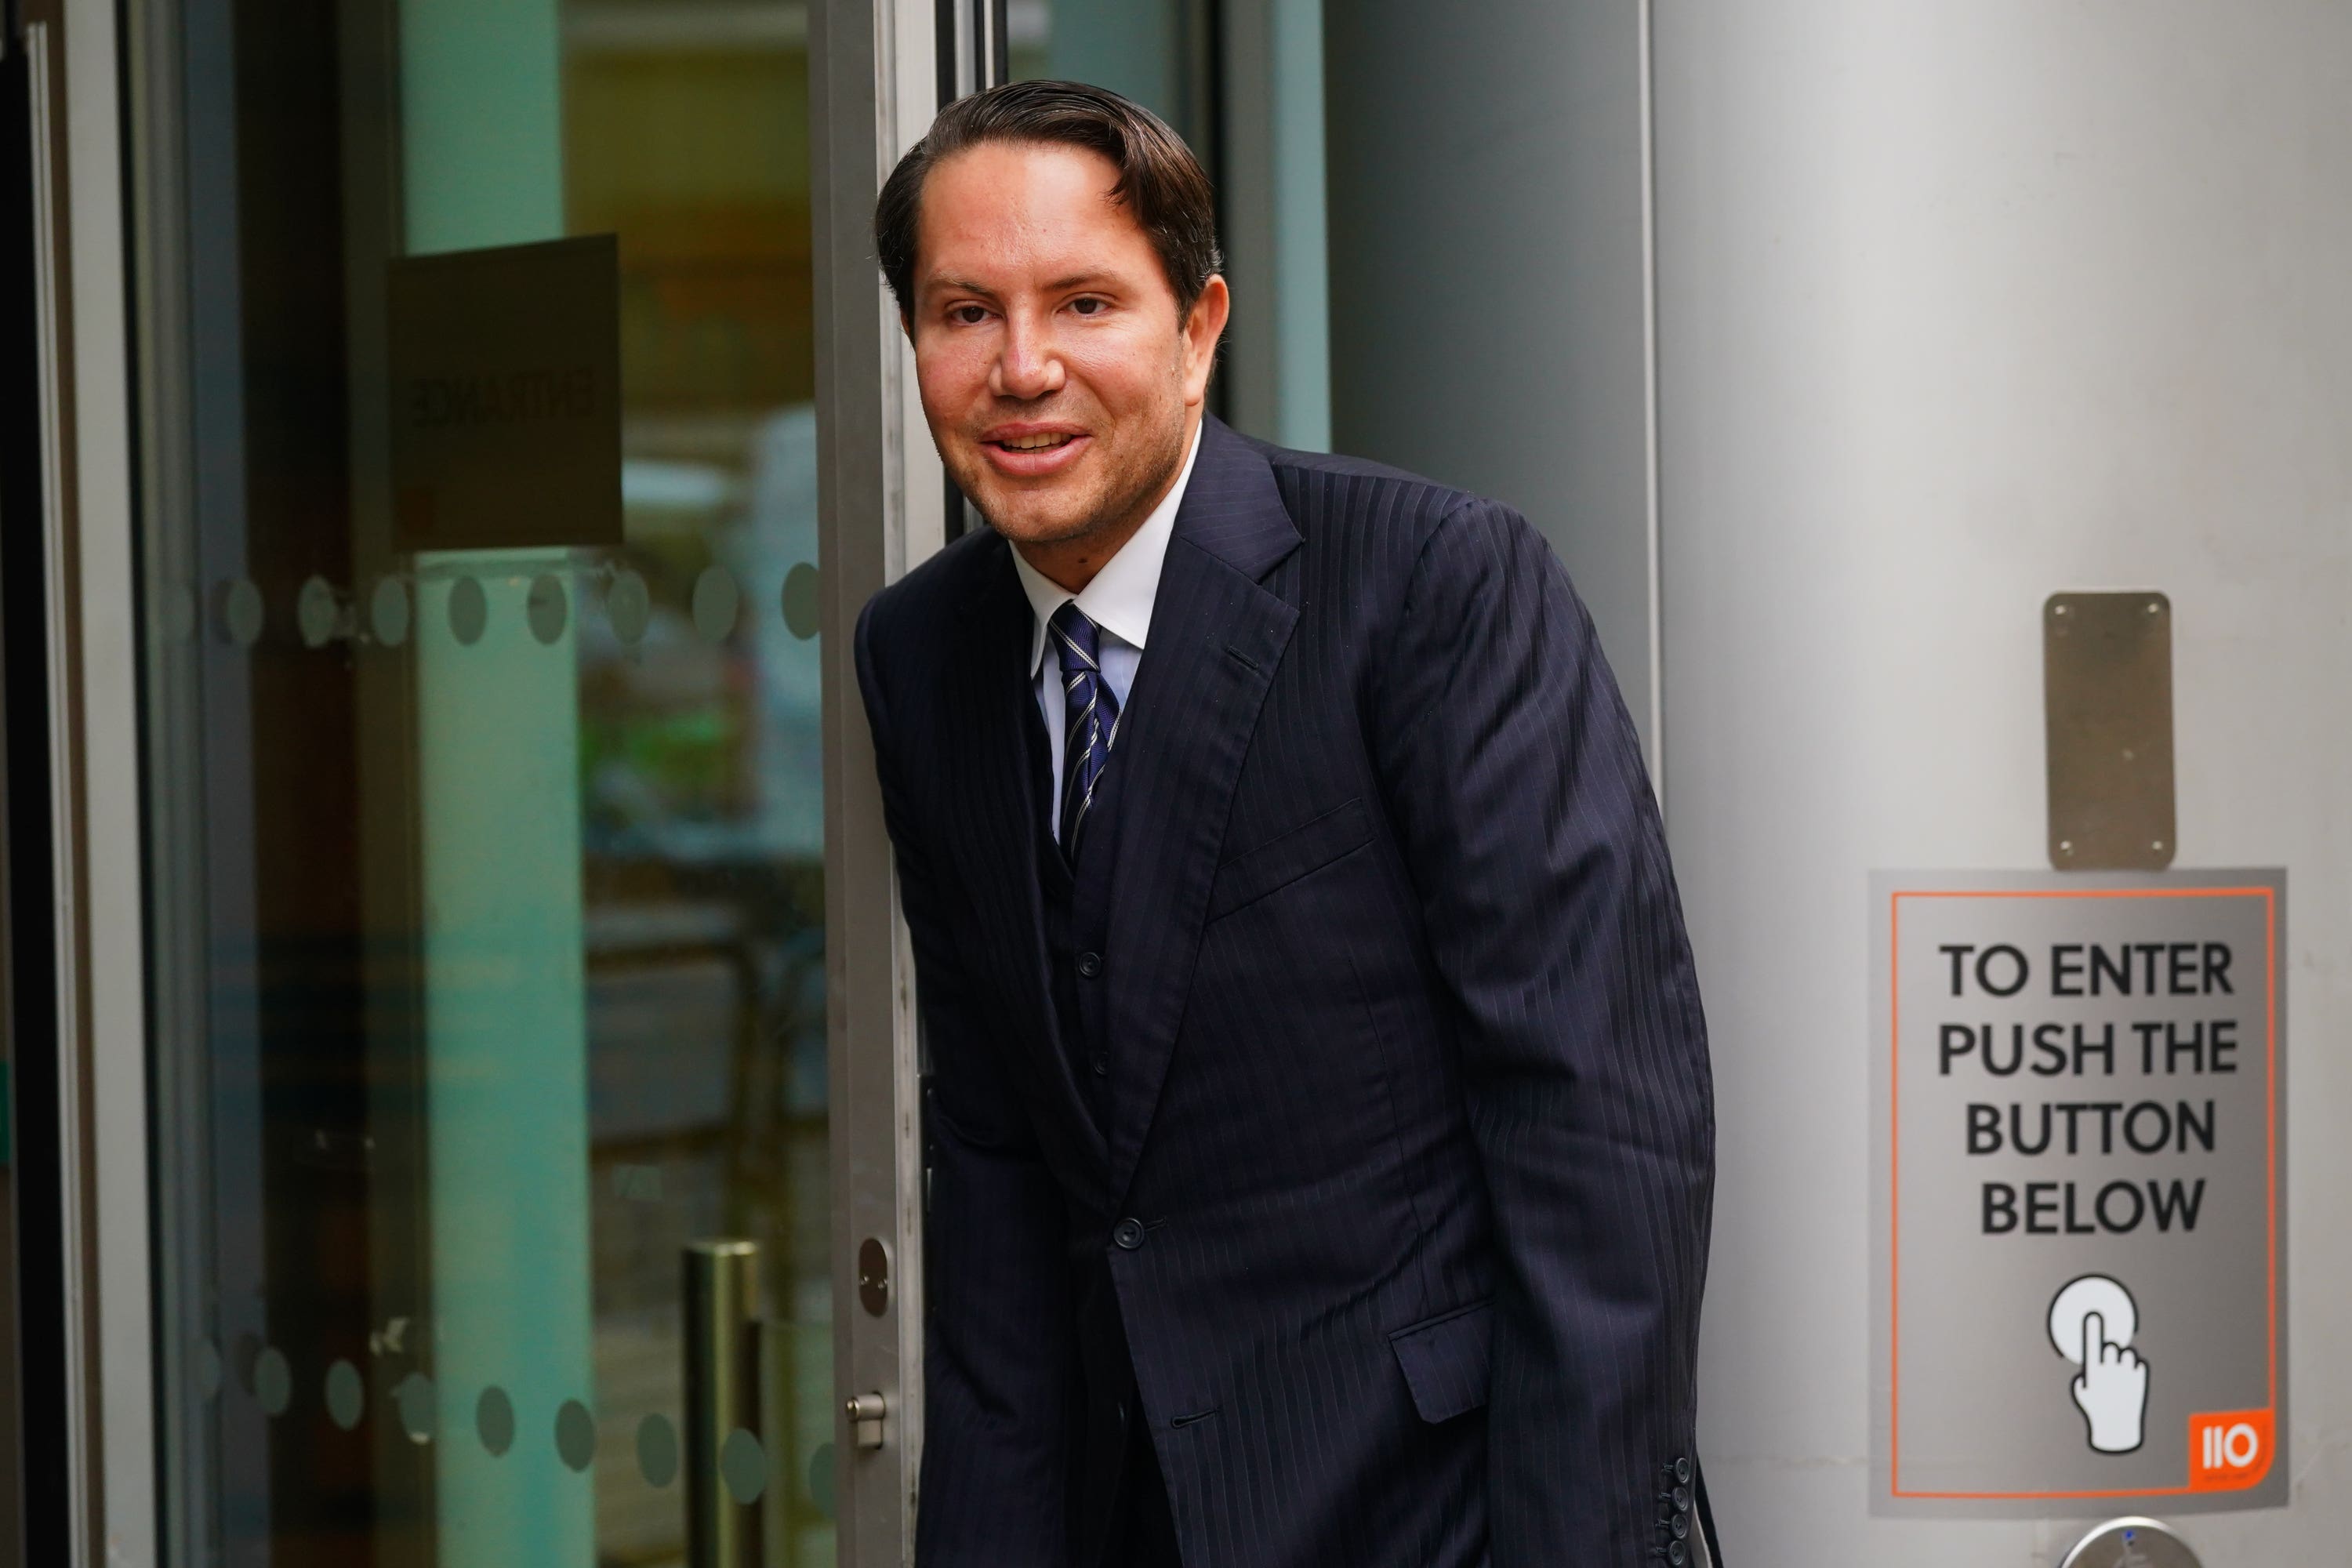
(2110, 1390)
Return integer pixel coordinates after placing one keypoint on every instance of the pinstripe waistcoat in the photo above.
(1402, 1174)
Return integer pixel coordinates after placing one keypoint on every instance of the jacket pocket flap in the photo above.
(1445, 1360)
(1311, 846)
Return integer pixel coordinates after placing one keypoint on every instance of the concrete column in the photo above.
(1963, 301)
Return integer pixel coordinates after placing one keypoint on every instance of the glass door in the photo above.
(482, 626)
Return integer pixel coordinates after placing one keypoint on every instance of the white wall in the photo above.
(1963, 301)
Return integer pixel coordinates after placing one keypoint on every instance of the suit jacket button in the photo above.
(1100, 1064)
(1129, 1234)
(1683, 1470)
(1089, 965)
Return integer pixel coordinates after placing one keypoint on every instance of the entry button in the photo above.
(1089, 965)
(1129, 1234)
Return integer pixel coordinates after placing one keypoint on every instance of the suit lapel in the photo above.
(993, 710)
(1216, 637)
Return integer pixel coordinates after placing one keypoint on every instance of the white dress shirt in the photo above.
(1118, 599)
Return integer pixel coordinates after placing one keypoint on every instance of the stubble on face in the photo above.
(1106, 500)
(1058, 376)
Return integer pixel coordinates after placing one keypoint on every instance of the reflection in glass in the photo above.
(1153, 51)
(488, 880)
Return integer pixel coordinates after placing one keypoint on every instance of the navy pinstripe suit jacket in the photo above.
(1409, 1096)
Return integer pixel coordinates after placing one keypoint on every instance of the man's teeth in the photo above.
(1032, 443)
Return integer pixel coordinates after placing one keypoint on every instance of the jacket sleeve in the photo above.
(1518, 790)
(997, 1368)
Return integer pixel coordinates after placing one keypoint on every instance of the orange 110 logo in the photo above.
(2230, 1451)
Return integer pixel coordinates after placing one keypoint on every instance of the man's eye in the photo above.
(968, 315)
(1089, 306)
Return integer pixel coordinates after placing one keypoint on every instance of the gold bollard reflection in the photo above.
(722, 1397)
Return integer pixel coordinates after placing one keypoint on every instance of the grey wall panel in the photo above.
(1484, 190)
(1962, 302)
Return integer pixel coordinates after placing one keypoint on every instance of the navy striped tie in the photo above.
(1089, 716)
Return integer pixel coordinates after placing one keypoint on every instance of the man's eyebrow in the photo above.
(1058, 286)
(957, 286)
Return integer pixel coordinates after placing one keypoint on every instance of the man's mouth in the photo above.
(1033, 454)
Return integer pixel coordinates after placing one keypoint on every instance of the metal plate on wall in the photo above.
(2106, 673)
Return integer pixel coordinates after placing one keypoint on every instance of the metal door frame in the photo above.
(874, 86)
(92, 1116)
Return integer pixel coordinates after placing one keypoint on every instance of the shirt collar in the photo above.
(1120, 597)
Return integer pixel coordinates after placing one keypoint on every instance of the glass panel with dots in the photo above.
(479, 621)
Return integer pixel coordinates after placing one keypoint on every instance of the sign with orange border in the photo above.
(2078, 1197)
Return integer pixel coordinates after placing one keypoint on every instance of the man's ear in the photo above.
(1203, 326)
(907, 324)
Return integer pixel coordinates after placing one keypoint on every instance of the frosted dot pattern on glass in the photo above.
(820, 1479)
(243, 613)
(576, 1435)
(346, 1394)
(413, 1398)
(743, 1466)
(657, 1450)
(494, 1420)
(629, 606)
(803, 610)
(716, 603)
(469, 611)
(273, 1381)
(388, 610)
(546, 608)
(314, 612)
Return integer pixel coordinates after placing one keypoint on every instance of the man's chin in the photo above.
(1030, 524)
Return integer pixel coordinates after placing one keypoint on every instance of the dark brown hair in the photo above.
(1160, 181)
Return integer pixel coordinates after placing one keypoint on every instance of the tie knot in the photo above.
(1078, 641)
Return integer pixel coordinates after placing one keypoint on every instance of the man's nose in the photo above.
(1028, 367)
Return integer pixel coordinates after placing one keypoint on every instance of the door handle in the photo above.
(722, 1396)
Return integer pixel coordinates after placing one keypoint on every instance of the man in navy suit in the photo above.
(1320, 1132)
